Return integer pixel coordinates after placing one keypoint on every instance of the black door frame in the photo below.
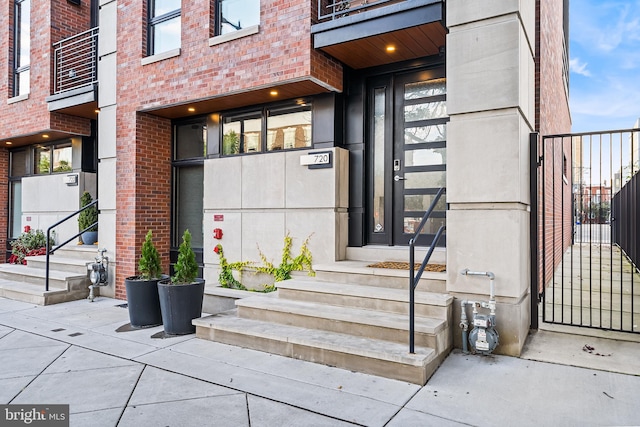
(394, 126)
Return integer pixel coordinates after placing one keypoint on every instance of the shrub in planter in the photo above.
(142, 290)
(87, 218)
(181, 295)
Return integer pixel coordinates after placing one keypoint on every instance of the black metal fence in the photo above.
(587, 234)
(625, 219)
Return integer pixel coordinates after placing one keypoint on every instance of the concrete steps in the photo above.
(342, 321)
(68, 277)
(361, 354)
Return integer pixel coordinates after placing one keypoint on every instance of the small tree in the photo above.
(186, 268)
(88, 216)
(149, 264)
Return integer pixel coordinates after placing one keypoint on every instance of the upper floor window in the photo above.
(164, 26)
(269, 129)
(234, 15)
(22, 47)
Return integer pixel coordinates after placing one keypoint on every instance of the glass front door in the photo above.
(407, 162)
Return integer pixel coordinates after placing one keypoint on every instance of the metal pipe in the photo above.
(464, 325)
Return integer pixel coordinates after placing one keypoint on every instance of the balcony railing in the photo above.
(76, 61)
(330, 9)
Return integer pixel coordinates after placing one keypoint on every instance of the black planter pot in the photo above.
(143, 302)
(180, 304)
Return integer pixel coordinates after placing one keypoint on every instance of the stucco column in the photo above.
(490, 100)
(107, 135)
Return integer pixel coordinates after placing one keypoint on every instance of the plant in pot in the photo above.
(142, 290)
(181, 295)
(88, 219)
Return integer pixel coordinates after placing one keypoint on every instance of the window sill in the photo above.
(18, 98)
(160, 56)
(213, 41)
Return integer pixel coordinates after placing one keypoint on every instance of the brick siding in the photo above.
(31, 115)
(280, 52)
(552, 117)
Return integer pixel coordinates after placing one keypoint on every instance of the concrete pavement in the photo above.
(70, 353)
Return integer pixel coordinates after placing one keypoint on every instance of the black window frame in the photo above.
(152, 21)
(17, 29)
(219, 18)
(263, 113)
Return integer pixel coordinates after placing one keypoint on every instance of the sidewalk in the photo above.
(70, 353)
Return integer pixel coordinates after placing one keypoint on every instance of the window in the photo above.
(242, 134)
(52, 159)
(234, 15)
(22, 47)
(289, 129)
(286, 128)
(164, 26)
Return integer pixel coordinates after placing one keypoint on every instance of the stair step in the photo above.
(427, 304)
(429, 332)
(36, 294)
(358, 272)
(368, 355)
(59, 263)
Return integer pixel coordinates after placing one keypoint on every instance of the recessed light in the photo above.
(96, 111)
(45, 136)
(191, 109)
(9, 143)
(391, 48)
(273, 93)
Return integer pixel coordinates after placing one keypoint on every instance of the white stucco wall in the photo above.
(46, 199)
(258, 199)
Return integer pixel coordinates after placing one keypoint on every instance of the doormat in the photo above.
(438, 268)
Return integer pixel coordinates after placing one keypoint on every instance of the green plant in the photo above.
(225, 278)
(89, 216)
(30, 242)
(186, 268)
(230, 143)
(149, 264)
(63, 166)
(288, 264)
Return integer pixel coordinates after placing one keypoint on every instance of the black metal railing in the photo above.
(330, 9)
(50, 251)
(584, 273)
(75, 61)
(625, 219)
(414, 277)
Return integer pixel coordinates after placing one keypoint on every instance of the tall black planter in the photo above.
(180, 304)
(143, 302)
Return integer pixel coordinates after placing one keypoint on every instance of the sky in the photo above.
(604, 51)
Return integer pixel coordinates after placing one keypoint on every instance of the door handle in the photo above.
(399, 178)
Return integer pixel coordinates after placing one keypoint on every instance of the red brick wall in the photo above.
(51, 20)
(280, 52)
(553, 117)
(143, 191)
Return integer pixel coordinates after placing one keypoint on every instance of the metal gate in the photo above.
(585, 232)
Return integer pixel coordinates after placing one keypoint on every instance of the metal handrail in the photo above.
(413, 277)
(50, 251)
